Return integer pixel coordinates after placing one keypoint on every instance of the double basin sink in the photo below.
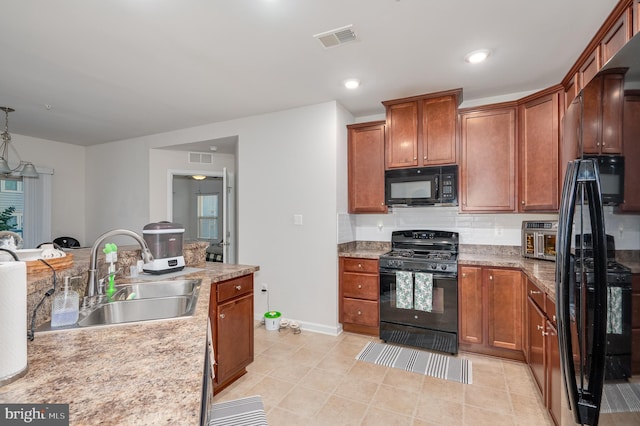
(141, 301)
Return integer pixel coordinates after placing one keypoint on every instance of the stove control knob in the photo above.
(443, 267)
(434, 266)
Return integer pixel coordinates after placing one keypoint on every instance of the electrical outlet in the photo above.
(264, 287)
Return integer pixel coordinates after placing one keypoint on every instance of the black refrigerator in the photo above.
(585, 305)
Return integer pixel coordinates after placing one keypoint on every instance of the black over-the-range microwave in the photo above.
(421, 186)
(611, 170)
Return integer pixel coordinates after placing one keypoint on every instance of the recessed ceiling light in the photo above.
(477, 56)
(352, 83)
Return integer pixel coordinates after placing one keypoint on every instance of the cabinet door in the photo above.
(538, 154)
(536, 349)
(402, 135)
(470, 305)
(234, 337)
(589, 67)
(554, 389)
(631, 149)
(439, 130)
(570, 138)
(487, 179)
(504, 296)
(617, 36)
(612, 106)
(366, 168)
(591, 122)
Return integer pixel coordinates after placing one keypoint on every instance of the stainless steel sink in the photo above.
(147, 290)
(140, 301)
(139, 310)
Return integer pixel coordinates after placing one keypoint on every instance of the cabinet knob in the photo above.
(490, 277)
(540, 327)
(359, 285)
(360, 265)
(238, 287)
(382, 203)
(359, 312)
(222, 316)
(464, 275)
(415, 158)
(424, 158)
(545, 333)
(597, 143)
(534, 292)
(554, 318)
(522, 202)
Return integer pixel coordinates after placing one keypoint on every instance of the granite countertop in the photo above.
(147, 373)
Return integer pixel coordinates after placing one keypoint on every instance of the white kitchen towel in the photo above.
(13, 319)
(614, 310)
(423, 296)
(404, 290)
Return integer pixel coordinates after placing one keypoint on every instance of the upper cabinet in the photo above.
(631, 151)
(421, 130)
(619, 34)
(366, 167)
(602, 114)
(488, 159)
(538, 152)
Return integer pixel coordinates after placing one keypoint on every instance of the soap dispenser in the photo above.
(65, 307)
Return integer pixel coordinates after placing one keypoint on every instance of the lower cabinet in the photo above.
(635, 324)
(490, 311)
(359, 295)
(231, 316)
(542, 351)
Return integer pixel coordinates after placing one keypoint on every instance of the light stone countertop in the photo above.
(148, 373)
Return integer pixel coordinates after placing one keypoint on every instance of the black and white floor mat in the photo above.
(239, 412)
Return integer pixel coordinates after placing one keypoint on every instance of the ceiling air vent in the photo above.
(337, 37)
(200, 158)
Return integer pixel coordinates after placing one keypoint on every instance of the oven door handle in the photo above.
(436, 276)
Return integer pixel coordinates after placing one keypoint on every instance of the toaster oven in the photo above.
(539, 239)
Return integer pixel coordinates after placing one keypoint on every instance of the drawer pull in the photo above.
(359, 285)
(360, 265)
(534, 292)
(222, 316)
(238, 287)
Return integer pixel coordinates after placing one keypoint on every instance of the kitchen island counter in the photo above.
(145, 373)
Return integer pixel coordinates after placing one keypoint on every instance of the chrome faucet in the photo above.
(92, 283)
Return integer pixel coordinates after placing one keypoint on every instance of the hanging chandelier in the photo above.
(24, 168)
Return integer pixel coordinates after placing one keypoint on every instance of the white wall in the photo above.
(287, 164)
(68, 184)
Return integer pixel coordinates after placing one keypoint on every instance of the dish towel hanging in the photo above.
(404, 290)
(423, 298)
(614, 311)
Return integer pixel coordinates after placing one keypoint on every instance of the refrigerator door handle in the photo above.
(585, 402)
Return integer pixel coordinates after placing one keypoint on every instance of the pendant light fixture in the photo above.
(24, 168)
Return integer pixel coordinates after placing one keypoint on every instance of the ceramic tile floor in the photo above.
(314, 379)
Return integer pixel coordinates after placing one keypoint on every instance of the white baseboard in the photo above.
(313, 327)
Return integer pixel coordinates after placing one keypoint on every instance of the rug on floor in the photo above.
(620, 398)
(239, 412)
(424, 362)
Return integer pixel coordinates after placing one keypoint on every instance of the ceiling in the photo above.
(92, 71)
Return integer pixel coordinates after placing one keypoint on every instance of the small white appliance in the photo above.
(165, 243)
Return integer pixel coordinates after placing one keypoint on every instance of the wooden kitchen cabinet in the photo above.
(490, 311)
(618, 36)
(359, 295)
(366, 167)
(570, 138)
(488, 159)
(631, 150)
(589, 68)
(602, 114)
(421, 130)
(538, 151)
(231, 315)
(542, 349)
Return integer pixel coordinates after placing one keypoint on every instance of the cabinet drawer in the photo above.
(536, 295)
(363, 312)
(360, 286)
(352, 264)
(234, 288)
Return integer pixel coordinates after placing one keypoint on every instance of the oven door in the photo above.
(443, 315)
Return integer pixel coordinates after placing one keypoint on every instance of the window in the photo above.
(208, 216)
(11, 185)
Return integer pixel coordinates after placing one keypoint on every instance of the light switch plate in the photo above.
(297, 219)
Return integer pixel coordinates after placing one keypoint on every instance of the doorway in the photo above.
(205, 206)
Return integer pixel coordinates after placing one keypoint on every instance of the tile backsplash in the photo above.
(481, 229)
